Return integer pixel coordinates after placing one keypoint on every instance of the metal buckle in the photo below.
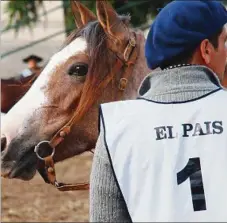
(123, 83)
(132, 41)
(37, 148)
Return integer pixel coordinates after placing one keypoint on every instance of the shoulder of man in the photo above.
(26, 72)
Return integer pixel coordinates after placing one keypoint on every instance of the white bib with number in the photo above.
(170, 160)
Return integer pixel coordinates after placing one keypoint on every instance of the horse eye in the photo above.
(78, 70)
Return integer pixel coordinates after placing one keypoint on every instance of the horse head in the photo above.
(101, 61)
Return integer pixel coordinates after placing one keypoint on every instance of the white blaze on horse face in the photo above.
(35, 98)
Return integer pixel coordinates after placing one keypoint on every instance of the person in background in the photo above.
(163, 156)
(33, 67)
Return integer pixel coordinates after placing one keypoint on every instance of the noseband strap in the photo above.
(46, 165)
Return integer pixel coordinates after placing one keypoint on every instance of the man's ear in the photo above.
(206, 50)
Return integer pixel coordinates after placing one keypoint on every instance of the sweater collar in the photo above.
(179, 84)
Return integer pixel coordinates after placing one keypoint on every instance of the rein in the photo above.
(46, 167)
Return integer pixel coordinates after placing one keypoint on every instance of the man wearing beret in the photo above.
(163, 156)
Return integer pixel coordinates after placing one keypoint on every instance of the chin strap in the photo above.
(49, 176)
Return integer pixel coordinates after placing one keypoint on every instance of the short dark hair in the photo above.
(186, 56)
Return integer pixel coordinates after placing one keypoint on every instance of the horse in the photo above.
(13, 89)
(101, 61)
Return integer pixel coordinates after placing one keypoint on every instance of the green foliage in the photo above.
(23, 13)
(140, 11)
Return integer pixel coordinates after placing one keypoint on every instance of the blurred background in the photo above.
(39, 28)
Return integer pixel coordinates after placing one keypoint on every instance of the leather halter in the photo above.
(46, 168)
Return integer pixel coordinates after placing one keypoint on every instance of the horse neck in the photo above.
(140, 70)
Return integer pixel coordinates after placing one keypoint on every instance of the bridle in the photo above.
(46, 167)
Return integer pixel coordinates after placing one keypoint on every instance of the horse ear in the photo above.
(110, 20)
(81, 13)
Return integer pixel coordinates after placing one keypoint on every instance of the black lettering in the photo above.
(170, 128)
(217, 127)
(208, 129)
(198, 130)
(193, 171)
(160, 132)
(186, 128)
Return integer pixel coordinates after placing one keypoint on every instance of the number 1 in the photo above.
(193, 171)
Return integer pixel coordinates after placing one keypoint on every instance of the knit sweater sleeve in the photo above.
(106, 201)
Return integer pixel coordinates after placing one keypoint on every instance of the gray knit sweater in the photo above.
(177, 84)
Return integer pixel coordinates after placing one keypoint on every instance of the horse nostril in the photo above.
(3, 143)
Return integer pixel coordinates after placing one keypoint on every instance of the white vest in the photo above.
(170, 160)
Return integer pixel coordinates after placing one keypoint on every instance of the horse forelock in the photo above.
(101, 61)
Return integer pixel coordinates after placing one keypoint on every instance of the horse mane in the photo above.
(100, 64)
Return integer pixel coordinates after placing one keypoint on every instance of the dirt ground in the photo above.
(35, 201)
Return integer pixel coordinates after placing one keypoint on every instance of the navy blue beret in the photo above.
(181, 25)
